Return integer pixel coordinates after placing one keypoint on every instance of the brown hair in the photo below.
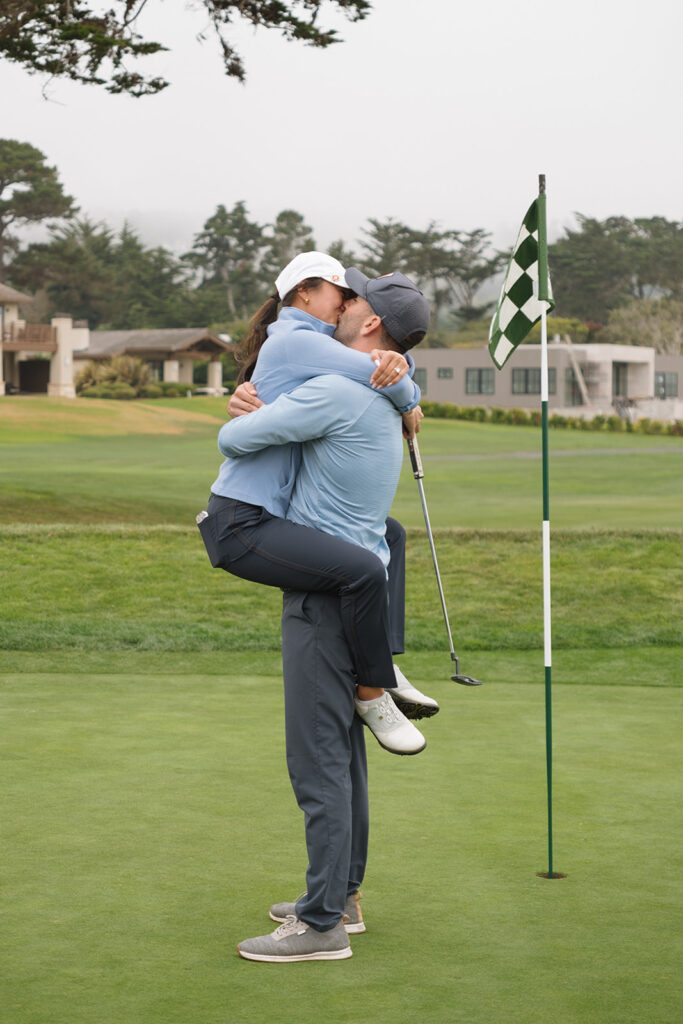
(247, 354)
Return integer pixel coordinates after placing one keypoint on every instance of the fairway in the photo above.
(149, 817)
(145, 462)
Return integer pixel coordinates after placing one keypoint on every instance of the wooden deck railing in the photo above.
(30, 334)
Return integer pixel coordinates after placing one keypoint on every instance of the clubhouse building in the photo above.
(584, 380)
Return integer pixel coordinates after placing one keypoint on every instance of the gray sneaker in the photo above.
(294, 941)
(352, 920)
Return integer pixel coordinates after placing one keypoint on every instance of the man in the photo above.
(351, 459)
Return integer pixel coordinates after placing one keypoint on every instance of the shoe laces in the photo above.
(289, 926)
(388, 710)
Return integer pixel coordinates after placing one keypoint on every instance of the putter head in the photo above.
(463, 680)
(466, 680)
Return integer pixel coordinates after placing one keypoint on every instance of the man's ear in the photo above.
(370, 325)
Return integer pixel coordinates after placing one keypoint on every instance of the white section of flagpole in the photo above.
(547, 633)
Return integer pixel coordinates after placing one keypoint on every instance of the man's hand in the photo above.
(391, 366)
(244, 399)
(411, 422)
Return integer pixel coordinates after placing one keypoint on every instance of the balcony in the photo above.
(23, 337)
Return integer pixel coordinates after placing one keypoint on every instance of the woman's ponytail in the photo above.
(247, 354)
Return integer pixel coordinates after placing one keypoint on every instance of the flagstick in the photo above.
(547, 641)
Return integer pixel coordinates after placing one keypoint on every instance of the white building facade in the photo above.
(583, 380)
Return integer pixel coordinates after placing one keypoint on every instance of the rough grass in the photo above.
(153, 589)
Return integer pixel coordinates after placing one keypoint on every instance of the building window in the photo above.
(572, 391)
(445, 373)
(619, 380)
(527, 381)
(420, 378)
(156, 369)
(480, 382)
(666, 385)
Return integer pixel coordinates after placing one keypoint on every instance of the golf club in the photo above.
(418, 473)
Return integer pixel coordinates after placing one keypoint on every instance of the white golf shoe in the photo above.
(389, 725)
(411, 702)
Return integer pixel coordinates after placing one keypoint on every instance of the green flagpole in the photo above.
(547, 642)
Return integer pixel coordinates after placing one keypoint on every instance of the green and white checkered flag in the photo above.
(519, 307)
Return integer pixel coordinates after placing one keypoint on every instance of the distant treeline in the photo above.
(616, 279)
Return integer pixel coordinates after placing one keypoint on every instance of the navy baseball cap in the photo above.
(400, 304)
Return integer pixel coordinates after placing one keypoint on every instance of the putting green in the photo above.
(151, 823)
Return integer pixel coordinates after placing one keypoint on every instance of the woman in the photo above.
(246, 532)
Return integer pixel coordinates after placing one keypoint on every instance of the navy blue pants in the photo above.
(249, 542)
(325, 753)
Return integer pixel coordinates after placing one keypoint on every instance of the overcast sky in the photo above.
(429, 110)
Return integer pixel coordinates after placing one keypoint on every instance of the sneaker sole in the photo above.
(350, 929)
(391, 750)
(413, 710)
(330, 954)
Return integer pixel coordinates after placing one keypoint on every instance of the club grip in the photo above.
(415, 459)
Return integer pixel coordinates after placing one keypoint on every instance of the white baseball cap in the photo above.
(310, 264)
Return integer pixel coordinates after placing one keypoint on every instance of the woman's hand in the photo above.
(411, 422)
(244, 399)
(391, 366)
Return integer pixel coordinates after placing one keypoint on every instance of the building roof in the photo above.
(8, 294)
(173, 341)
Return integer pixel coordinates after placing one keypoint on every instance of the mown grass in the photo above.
(150, 824)
(148, 817)
(156, 464)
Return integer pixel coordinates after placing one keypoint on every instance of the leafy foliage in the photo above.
(109, 281)
(128, 371)
(30, 192)
(604, 264)
(654, 322)
(629, 273)
(71, 39)
(226, 255)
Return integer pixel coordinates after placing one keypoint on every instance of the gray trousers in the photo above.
(325, 753)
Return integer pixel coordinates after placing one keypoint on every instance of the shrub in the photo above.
(615, 424)
(126, 370)
(150, 391)
(88, 376)
(121, 391)
(520, 417)
(643, 425)
(172, 388)
(557, 421)
(467, 412)
(497, 415)
(92, 391)
(598, 422)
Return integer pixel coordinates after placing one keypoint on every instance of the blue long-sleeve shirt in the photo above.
(351, 447)
(298, 348)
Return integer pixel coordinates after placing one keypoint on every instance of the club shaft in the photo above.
(430, 537)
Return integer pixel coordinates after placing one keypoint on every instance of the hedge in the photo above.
(532, 418)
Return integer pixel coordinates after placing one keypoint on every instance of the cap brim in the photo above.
(357, 281)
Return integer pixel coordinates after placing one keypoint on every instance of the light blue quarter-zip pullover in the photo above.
(352, 449)
(298, 348)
